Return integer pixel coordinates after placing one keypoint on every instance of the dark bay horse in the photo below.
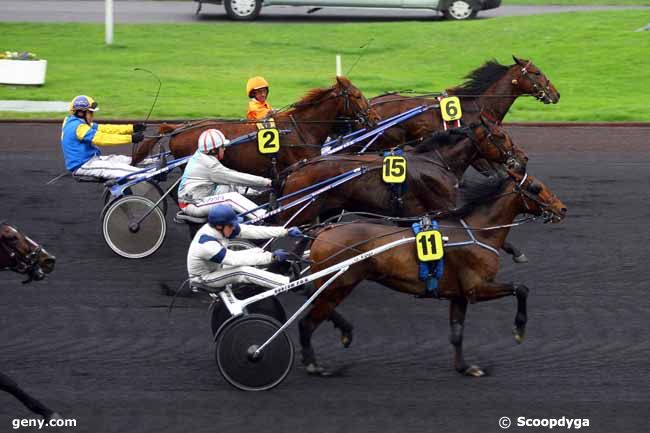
(20, 254)
(433, 172)
(491, 88)
(469, 271)
(311, 120)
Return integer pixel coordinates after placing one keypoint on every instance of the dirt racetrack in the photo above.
(94, 340)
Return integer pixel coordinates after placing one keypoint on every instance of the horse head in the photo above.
(353, 104)
(530, 80)
(22, 255)
(536, 198)
(496, 145)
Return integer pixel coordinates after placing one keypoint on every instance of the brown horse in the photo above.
(492, 88)
(20, 254)
(433, 171)
(469, 271)
(310, 120)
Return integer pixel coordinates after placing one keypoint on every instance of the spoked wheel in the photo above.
(237, 341)
(148, 189)
(125, 236)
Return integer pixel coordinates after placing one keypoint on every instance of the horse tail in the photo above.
(145, 147)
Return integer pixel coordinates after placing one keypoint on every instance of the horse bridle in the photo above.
(510, 160)
(362, 117)
(21, 263)
(520, 189)
(542, 93)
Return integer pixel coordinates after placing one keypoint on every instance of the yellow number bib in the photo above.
(268, 140)
(429, 245)
(394, 169)
(450, 109)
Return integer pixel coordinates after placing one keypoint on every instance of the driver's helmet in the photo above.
(83, 103)
(212, 139)
(223, 214)
(254, 84)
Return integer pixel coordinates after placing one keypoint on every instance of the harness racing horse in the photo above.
(433, 171)
(469, 271)
(489, 90)
(20, 254)
(310, 121)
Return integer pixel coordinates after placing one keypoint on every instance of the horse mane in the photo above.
(313, 96)
(474, 194)
(440, 139)
(481, 78)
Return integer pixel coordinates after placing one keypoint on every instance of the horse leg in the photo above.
(457, 311)
(321, 310)
(521, 318)
(337, 319)
(518, 256)
(8, 385)
(488, 291)
(342, 325)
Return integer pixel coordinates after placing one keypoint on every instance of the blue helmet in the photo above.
(223, 215)
(83, 103)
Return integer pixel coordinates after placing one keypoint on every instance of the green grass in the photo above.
(578, 2)
(596, 60)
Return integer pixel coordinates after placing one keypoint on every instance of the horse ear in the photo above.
(517, 61)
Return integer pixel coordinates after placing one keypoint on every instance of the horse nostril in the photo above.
(564, 210)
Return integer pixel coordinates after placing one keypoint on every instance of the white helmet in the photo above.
(212, 139)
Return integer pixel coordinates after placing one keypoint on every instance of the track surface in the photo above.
(94, 341)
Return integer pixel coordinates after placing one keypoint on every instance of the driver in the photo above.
(210, 262)
(207, 182)
(257, 90)
(80, 138)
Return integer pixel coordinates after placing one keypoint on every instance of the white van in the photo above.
(243, 10)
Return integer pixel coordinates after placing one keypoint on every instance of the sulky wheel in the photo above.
(238, 339)
(148, 189)
(125, 236)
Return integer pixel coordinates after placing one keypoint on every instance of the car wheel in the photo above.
(243, 10)
(461, 10)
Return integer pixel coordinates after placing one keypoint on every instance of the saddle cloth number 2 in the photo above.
(429, 245)
(268, 140)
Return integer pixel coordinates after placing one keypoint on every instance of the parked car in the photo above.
(246, 10)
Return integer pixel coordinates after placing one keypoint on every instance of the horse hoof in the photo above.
(316, 370)
(519, 335)
(521, 258)
(346, 340)
(474, 371)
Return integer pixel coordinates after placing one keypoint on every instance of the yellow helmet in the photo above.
(254, 84)
(83, 103)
